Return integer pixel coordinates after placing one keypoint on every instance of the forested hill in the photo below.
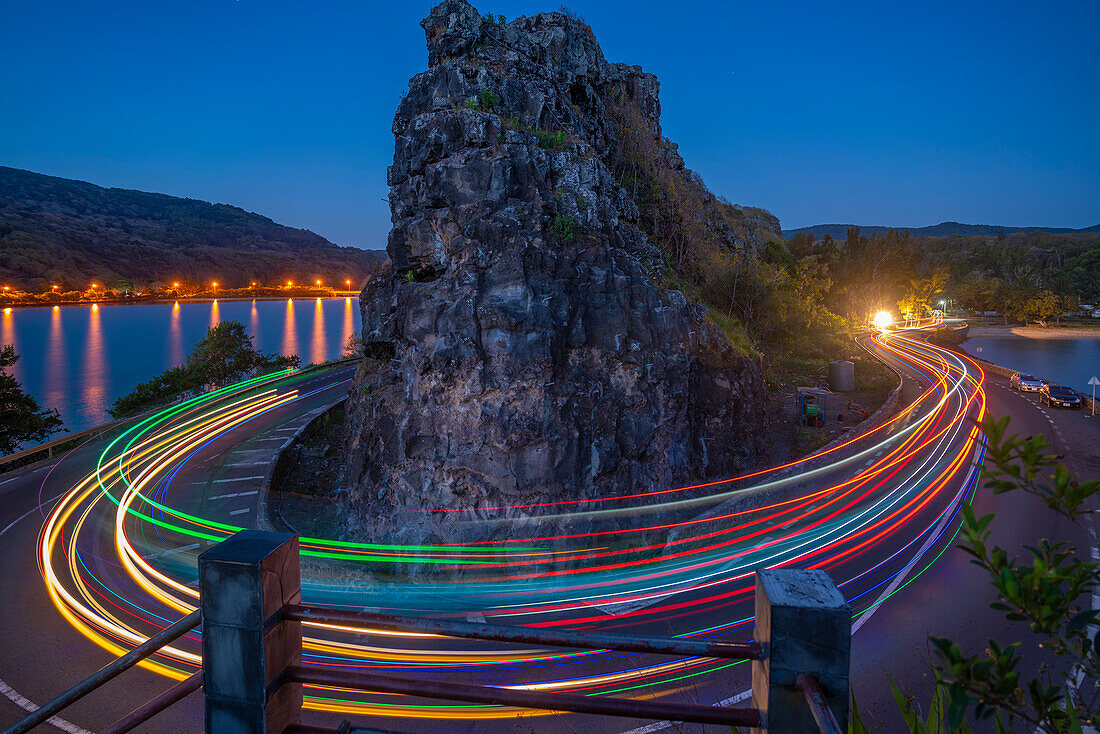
(943, 229)
(66, 232)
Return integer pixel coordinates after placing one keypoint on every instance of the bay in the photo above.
(78, 359)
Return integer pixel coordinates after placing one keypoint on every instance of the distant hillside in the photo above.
(943, 229)
(65, 232)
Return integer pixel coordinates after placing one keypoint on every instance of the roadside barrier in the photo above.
(252, 678)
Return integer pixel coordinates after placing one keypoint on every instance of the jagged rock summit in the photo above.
(526, 349)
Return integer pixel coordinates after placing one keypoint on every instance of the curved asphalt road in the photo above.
(42, 654)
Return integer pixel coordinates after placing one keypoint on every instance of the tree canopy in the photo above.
(225, 355)
(21, 418)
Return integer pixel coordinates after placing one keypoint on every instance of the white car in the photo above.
(1025, 383)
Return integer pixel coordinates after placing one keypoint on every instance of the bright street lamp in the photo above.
(883, 319)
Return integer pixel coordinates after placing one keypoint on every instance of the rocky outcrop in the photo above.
(528, 349)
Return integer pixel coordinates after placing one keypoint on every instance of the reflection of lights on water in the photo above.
(94, 368)
(290, 330)
(318, 348)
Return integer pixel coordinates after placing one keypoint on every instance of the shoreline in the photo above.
(185, 299)
(1033, 332)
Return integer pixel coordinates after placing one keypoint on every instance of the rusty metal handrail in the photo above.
(815, 698)
(106, 673)
(151, 708)
(528, 635)
(606, 706)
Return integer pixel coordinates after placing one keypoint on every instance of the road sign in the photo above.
(1094, 381)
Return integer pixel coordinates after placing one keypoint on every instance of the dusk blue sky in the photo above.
(876, 113)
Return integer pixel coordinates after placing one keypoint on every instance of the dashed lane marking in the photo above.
(236, 479)
(238, 512)
(234, 494)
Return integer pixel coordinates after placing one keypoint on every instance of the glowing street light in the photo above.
(348, 281)
(175, 285)
(215, 284)
(54, 287)
(318, 281)
(883, 319)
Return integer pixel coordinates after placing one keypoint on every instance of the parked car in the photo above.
(1024, 382)
(1059, 396)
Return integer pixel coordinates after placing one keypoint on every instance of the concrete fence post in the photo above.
(804, 626)
(244, 581)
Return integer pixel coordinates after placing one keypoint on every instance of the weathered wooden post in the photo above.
(244, 581)
(804, 627)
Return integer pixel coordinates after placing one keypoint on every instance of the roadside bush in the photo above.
(225, 355)
(564, 227)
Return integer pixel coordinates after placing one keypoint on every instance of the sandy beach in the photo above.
(1035, 332)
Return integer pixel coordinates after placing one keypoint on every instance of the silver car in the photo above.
(1025, 383)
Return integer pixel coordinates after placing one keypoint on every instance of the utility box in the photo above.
(813, 404)
(842, 376)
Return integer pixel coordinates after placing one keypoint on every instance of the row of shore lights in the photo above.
(253, 284)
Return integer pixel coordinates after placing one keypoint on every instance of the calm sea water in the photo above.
(1067, 361)
(78, 359)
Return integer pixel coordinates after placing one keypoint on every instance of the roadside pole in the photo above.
(1094, 382)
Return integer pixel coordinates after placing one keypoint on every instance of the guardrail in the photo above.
(252, 677)
(46, 451)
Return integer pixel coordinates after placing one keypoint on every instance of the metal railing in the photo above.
(250, 593)
(527, 635)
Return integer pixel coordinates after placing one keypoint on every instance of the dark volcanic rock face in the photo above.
(529, 352)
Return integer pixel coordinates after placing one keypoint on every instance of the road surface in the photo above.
(874, 514)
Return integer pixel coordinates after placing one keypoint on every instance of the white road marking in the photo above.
(234, 494)
(10, 480)
(250, 463)
(236, 479)
(13, 695)
(238, 512)
(27, 705)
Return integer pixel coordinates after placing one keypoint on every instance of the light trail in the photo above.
(118, 552)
